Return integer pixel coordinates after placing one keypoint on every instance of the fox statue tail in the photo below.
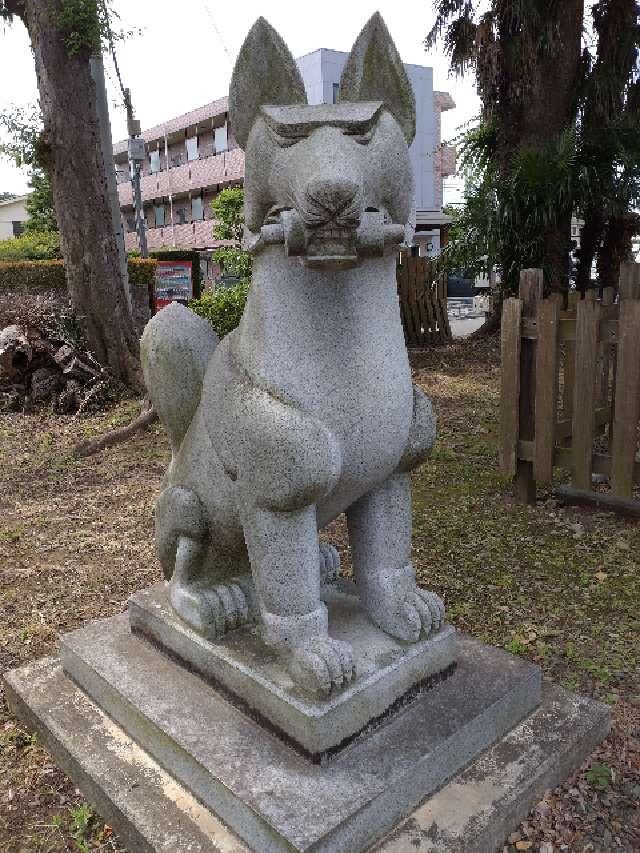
(175, 349)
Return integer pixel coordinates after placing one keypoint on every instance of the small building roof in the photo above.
(15, 199)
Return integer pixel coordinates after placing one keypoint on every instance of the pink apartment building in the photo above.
(192, 157)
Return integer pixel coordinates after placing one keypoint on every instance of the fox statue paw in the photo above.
(329, 563)
(322, 665)
(401, 608)
(216, 610)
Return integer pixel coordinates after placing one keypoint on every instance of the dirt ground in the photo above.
(559, 586)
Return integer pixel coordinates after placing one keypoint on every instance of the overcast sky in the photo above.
(185, 55)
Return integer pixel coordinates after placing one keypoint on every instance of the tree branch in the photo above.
(116, 436)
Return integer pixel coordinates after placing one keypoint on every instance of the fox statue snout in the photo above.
(331, 201)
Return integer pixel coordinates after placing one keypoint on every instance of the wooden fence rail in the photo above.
(422, 292)
(570, 390)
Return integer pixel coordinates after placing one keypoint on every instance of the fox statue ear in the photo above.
(265, 73)
(375, 72)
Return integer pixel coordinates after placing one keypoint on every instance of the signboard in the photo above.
(174, 283)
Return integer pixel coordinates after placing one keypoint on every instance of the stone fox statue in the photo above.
(307, 409)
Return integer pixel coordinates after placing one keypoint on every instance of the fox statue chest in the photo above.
(330, 344)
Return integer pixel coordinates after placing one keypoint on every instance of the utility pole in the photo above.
(106, 147)
(137, 155)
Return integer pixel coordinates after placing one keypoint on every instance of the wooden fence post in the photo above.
(510, 338)
(546, 391)
(530, 292)
(627, 383)
(584, 390)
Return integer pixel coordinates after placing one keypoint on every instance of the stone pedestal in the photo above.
(210, 736)
(254, 678)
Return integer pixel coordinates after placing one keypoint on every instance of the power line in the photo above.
(217, 31)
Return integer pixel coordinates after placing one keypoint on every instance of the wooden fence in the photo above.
(570, 391)
(423, 301)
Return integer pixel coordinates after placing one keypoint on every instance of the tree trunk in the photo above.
(616, 247)
(88, 243)
(590, 239)
(536, 105)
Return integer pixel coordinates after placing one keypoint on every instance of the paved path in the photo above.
(461, 328)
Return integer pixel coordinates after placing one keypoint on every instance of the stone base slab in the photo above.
(275, 798)
(152, 813)
(254, 675)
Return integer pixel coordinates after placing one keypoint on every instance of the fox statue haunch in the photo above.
(307, 409)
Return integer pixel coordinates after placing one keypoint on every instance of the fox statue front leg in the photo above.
(380, 538)
(284, 461)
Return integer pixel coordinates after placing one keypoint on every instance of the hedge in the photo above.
(183, 255)
(47, 275)
(50, 274)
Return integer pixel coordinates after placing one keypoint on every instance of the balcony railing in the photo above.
(180, 159)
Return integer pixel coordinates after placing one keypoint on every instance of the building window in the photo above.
(336, 92)
(220, 139)
(158, 212)
(131, 223)
(181, 215)
(197, 208)
(192, 148)
(154, 162)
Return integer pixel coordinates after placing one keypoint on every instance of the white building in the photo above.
(432, 162)
(13, 215)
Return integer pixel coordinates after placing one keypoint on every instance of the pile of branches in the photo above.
(37, 370)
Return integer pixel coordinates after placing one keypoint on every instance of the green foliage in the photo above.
(23, 127)
(233, 261)
(31, 246)
(507, 212)
(599, 775)
(80, 820)
(80, 24)
(228, 209)
(26, 147)
(222, 307)
(40, 205)
(87, 26)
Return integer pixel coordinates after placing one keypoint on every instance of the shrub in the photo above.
(222, 307)
(142, 271)
(31, 246)
(233, 261)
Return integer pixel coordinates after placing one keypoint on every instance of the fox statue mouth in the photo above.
(328, 246)
(331, 246)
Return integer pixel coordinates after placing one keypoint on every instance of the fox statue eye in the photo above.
(360, 138)
(284, 141)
